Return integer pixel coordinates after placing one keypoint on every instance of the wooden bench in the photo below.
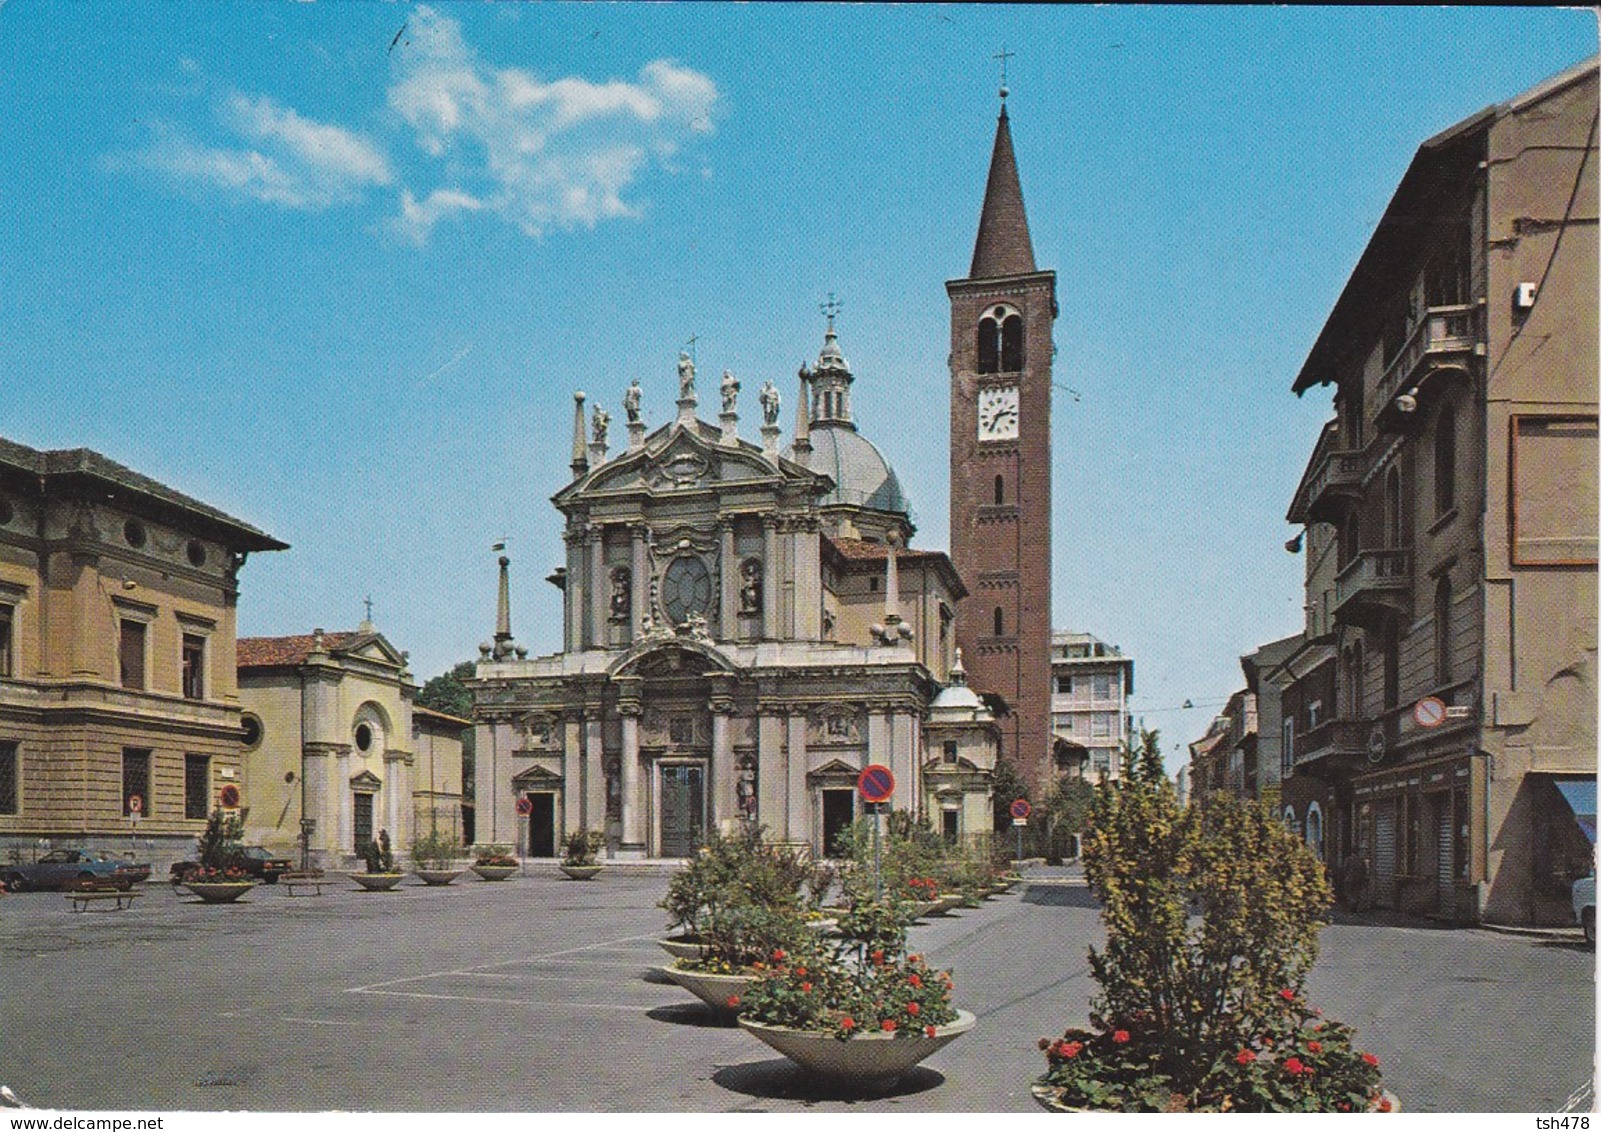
(87, 896)
(313, 881)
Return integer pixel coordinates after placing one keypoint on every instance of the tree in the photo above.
(450, 694)
(1067, 812)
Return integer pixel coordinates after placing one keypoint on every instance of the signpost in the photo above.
(876, 784)
(1429, 711)
(1020, 809)
(229, 797)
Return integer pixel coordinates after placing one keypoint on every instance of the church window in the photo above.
(989, 360)
(1000, 621)
(1000, 490)
(363, 737)
(872, 584)
(950, 752)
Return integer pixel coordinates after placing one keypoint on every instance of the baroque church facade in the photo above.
(746, 626)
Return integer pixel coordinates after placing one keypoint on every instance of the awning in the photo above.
(1579, 793)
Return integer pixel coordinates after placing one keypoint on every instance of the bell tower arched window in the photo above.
(1000, 621)
(1000, 490)
(1000, 341)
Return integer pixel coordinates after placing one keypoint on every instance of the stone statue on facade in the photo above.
(686, 378)
(750, 590)
(730, 391)
(602, 424)
(621, 598)
(631, 402)
(770, 403)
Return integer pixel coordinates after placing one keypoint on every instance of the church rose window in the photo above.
(686, 589)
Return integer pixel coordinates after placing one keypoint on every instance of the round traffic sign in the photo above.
(1429, 711)
(876, 783)
(525, 806)
(136, 804)
(229, 797)
(1021, 809)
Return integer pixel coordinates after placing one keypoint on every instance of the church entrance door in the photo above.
(839, 813)
(683, 807)
(542, 825)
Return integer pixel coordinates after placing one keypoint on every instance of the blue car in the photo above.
(73, 868)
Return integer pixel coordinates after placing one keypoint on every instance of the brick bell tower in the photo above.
(1001, 317)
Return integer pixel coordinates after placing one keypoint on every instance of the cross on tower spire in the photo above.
(368, 604)
(1003, 56)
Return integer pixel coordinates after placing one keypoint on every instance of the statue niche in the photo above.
(622, 593)
(750, 587)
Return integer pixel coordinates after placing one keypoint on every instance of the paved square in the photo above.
(536, 994)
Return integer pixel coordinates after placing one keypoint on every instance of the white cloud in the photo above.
(538, 152)
(417, 218)
(284, 159)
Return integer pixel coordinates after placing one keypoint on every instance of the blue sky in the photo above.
(342, 282)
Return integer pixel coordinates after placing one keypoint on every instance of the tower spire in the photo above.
(1003, 246)
(503, 641)
(580, 450)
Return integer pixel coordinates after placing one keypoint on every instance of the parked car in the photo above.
(73, 868)
(1584, 905)
(253, 859)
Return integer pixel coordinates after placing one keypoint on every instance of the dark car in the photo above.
(73, 868)
(252, 859)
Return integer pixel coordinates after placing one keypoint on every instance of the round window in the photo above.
(363, 737)
(197, 553)
(133, 531)
(250, 730)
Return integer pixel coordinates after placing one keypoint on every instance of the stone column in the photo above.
(344, 831)
(573, 597)
(572, 793)
(597, 586)
(641, 571)
(808, 584)
(724, 802)
(629, 707)
(773, 584)
(797, 803)
(728, 571)
(314, 772)
(594, 808)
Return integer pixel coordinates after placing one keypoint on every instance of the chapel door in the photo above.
(839, 814)
(683, 808)
(542, 825)
(363, 821)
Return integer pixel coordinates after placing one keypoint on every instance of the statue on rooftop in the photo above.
(730, 391)
(770, 402)
(631, 402)
(602, 424)
(686, 377)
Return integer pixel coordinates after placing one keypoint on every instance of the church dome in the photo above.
(861, 475)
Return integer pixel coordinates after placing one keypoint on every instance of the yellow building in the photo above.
(119, 712)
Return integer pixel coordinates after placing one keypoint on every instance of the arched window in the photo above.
(1012, 344)
(1000, 490)
(1314, 829)
(989, 358)
(1000, 621)
(1445, 459)
(1442, 631)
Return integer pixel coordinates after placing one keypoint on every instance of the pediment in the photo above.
(366, 781)
(835, 768)
(373, 647)
(679, 458)
(962, 765)
(535, 776)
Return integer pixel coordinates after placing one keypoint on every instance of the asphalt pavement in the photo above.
(537, 994)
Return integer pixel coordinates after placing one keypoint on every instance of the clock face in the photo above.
(997, 413)
(686, 589)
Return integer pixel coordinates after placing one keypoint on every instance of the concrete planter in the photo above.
(494, 872)
(437, 877)
(917, 909)
(377, 882)
(219, 891)
(1049, 1098)
(582, 872)
(682, 947)
(713, 990)
(869, 1060)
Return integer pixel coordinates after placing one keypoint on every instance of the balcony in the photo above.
(1374, 587)
(1335, 483)
(1333, 738)
(1443, 341)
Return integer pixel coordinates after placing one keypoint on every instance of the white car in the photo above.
(1584, 905)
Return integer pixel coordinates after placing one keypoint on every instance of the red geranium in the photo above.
(1287, 994)
(932, 1031)
(913, 1008)
(806, 988)
(878, 957)
(1120, 1037)
(1314, 1047)
(1294, 1066)
(733, 1001)
(1371, 1060)
(847, 1023)
(887, 1025)
(779, 955)
(914, 980)
(1245, 1057)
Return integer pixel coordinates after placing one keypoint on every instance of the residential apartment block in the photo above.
(1091, 682)
(1439, 715)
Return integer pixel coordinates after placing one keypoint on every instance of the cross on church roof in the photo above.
(368, 604)
(831, 308)
(1003, 56)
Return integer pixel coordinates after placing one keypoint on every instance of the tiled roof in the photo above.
(286, 652)
(439, 716)
(860, 550)
(1003, 246)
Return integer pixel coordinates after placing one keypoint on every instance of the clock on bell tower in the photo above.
(1001, 348)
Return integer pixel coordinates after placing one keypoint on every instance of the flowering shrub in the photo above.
(435, 851)
(380, 858)
(495, 855)
(206, 875)
(583, 847)
(1212, 916)
(740, 898)
(862, 983)
(218, 846)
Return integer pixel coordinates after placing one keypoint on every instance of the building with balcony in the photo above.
(1439, 716)
(119, 712)
(1091, 682)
